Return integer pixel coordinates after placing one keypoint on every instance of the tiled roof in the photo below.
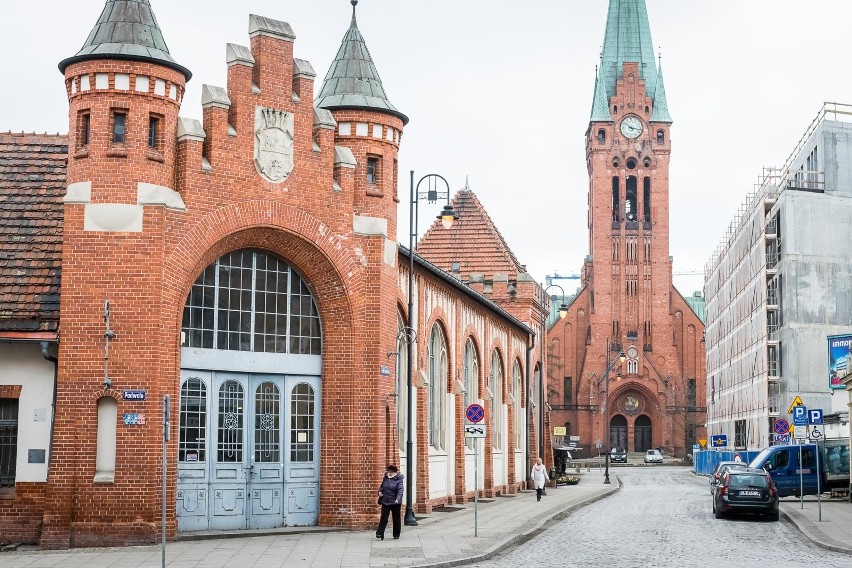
(473, 241)
(32, 183)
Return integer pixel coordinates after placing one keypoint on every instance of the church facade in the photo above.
(237, 283)
(628, 360)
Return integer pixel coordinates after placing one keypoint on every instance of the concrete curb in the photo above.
(521, 538)
(810, 532)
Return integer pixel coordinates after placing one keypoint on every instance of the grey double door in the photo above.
(247, 452)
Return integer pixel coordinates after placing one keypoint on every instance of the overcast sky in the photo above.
(500, 90)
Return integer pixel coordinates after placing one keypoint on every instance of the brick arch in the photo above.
(470, 332)
(438, 317)
(653, 408)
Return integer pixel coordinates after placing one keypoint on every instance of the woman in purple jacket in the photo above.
(390, 498)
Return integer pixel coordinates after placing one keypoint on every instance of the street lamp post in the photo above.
(447, 217)
(563, 311)
(620, 358)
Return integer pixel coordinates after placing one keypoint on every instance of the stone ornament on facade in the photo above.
(273, 143)
(631, 404)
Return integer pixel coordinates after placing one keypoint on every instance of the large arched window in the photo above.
(471, 379)
(401, 381)
(249, 300)
(437, 354)
(497, 399)
(518, 396)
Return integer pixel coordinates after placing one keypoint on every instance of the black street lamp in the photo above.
(447, 217)
(563, 311)
(620, 358)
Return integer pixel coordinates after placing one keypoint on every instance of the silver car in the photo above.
(653, 456)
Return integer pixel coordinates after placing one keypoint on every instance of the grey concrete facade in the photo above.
(778, 285)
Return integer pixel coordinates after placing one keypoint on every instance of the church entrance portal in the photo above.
(618, 432)
(642, 431)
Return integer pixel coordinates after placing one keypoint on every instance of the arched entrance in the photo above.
(250, 397)
(642, 433)
(618, 432)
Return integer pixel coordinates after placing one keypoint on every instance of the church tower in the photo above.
(627, 302)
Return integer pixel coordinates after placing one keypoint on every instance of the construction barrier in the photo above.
(706, 460)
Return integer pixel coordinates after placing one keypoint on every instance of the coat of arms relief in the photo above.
(273, 143)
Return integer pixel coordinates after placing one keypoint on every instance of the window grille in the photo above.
(8, 440)
(302, 417)
(267, 427)
(193, 421)
(231, 417)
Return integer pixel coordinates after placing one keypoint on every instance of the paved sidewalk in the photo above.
(442, 539)
(833, 532)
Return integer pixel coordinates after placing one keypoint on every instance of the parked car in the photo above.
(653, 456)
(745, 491)
(721, 468)
(618, 455)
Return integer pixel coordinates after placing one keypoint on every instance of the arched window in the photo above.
(518, 396)
(471, 379)
(661, 137)
(437, 355)
(107, 428)
(497, 400)
(646, 199)
(249, 300)
(401, 382)
(632, 367)
(601, 136)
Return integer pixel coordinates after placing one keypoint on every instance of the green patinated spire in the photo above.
(627, 39)
(128, 30)
(661, 105)
(600, 106)
(352, 81)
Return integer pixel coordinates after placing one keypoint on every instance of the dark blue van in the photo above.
(806, 468)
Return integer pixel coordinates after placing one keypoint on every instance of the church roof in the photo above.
(128, 30)
(628, 39)
(32, 183)
(352, 81)
(473, 242)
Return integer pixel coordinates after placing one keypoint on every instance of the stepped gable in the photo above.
(32, 184)
(473, 241)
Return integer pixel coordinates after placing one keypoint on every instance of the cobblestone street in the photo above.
(662, 517)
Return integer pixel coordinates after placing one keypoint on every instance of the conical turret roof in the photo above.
(128, 30)
(352, 81)
(627, 39)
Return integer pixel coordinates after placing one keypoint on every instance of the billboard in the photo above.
(839, 358)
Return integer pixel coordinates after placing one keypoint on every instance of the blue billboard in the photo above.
(839, 350)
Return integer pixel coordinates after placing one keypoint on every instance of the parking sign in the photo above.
(800, 415)
(815, 416)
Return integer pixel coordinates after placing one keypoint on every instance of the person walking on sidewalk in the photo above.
(539, 477)
(390, 498)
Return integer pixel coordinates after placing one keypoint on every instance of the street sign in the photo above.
(800, 415)
(133, 419)
(815, 416)
(781, 438)
(719, 441)
(781, 427)
(800, 432)
(133, 395)
(696, 446)
(474, 430)
(796, 402)
(816, 432)
(703, 442)
(738, 458)
(475, 413)
(559, 430)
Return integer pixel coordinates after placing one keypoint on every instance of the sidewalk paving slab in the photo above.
(832, 532)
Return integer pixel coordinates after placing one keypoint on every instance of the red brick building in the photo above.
(627, 302)
(245, 268)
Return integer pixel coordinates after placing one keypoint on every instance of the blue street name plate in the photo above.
(134, 395)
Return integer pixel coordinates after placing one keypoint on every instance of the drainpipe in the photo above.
(528, 413)
(44, 347)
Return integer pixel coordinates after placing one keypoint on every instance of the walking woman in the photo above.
(390, 498)
(539, 477)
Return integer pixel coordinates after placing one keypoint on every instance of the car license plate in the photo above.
(750, 493)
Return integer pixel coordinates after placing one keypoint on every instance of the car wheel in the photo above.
(773, 516)
(717, 513)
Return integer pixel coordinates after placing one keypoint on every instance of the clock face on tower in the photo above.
(631, 127)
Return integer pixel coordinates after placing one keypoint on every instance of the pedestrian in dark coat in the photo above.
(390, 498)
